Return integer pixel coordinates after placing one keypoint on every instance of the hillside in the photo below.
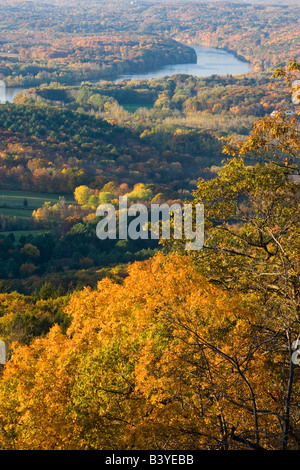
(149, 232)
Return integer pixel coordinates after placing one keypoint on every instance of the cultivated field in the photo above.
(21, 204)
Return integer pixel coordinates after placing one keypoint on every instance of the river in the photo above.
(209, 62)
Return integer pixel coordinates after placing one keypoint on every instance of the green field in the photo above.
(12, 202)
(34, 200)
(12, 205)
(16, 212)
(19, 233)
(132, 108)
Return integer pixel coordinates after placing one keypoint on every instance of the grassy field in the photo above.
(16, 212)
(12, 205)
(132, 108)
(34, 200)
(19, 233)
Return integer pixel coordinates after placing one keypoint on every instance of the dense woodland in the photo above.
(150, 141)
(139, 344)
(70, 42)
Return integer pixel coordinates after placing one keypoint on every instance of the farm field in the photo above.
(19, 233)
(34, 199)
(21, 204)
(22, 213)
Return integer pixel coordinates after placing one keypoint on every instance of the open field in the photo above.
(16, 212)
(131, 108)
(19, 233)
(12, 204)
(34, 200)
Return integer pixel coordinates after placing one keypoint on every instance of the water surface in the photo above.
(209, 62)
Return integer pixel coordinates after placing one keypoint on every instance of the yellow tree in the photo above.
(82, 194)
(165, 360)
(252, 236)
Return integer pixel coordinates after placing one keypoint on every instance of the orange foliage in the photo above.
(161, 361)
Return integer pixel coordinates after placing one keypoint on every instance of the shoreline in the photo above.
(129, 76)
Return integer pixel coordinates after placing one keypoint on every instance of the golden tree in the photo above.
(165, 360)
(252, 225)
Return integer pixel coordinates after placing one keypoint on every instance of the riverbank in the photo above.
(98, 59)
(204, 62)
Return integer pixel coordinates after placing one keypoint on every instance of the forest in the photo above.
(70, 42)
(131, 345)
(148, 140)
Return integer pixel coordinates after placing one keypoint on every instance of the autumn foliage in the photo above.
(164, 360)
(163, 349)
